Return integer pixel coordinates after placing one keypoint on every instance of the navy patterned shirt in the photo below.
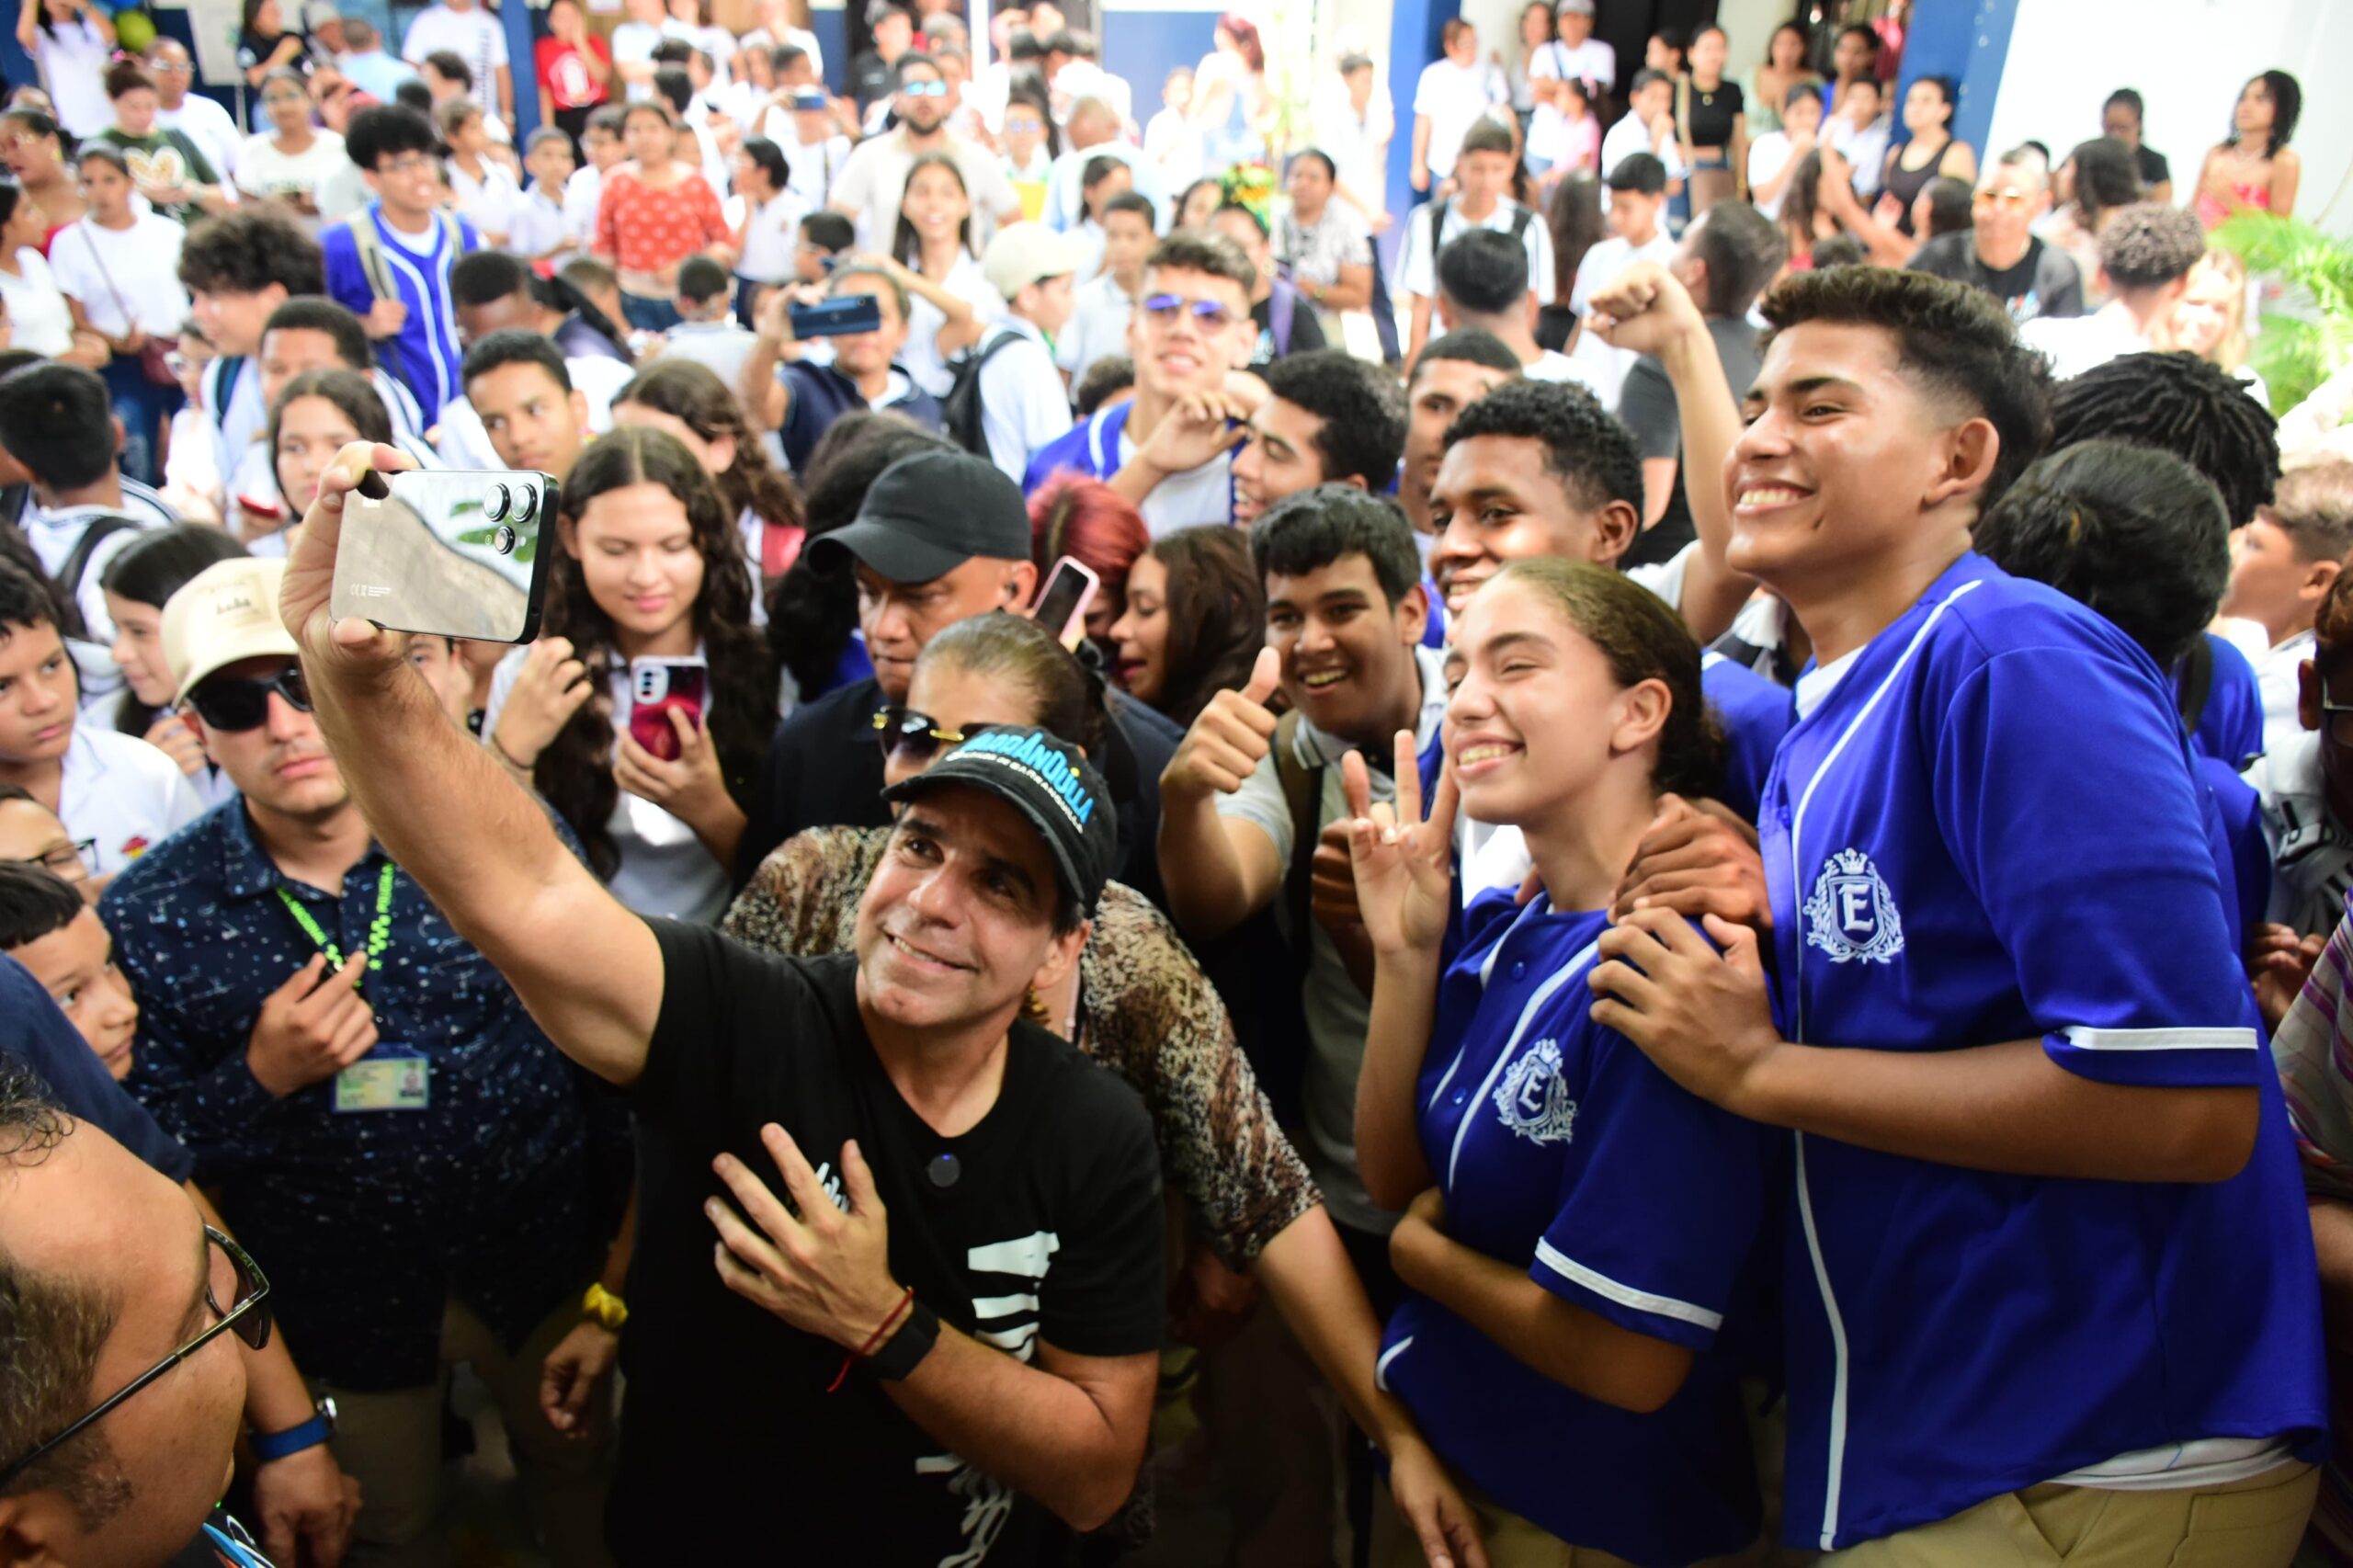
(503, 1192)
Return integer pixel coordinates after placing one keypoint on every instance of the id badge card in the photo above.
(387, 1078)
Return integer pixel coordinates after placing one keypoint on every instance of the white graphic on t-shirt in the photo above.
(1852, 914)
(1533, 1099)
(1009, 1321)
(831, 1180)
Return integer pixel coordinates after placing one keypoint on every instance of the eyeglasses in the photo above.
(406, 164)
(245, 1313)
(2338, 718)
(237, 705)
(170, 67)
(925, 89)
(1164, 310)
(1999, 198)
(69, 861)
(915, 738)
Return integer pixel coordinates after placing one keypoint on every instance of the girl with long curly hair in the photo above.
(690, 402)
(649, 568)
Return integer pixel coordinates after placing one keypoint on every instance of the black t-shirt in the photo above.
(825, 770)
(1709, 112)
(1306, 332)
(731, 1451)
(870, 77)
(2043, 283)
(2154, 170)
(255, 48)
(1648, 407)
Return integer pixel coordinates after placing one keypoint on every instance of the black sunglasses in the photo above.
(918, 737)
(234, 705)
(245, 1313)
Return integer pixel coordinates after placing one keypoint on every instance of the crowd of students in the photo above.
(1712, 894)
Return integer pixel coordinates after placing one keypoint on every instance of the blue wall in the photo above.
(1966, 41)
(1141, 47)
(1413, 27)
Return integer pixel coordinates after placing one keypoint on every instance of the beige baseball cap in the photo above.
(224, 613)
(1027, 253)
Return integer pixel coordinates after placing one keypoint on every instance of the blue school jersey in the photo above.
(423, 355)
(1562, 1149)
(1987, 830)
(2230, 728)
(1755, 714)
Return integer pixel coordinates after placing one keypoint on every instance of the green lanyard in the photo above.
(380, 929)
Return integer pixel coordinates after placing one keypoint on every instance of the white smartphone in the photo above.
(1062, 603)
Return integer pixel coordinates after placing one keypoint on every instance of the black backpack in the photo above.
(960, 409)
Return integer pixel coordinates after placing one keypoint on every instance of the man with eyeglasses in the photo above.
(31, 834)
(941, 537)
(203, 119)
(2001, 255)
(376, 1112)
(875, 176)
(1169, 449)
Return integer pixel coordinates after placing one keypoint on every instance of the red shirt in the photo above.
(646, 230)
(567, 81)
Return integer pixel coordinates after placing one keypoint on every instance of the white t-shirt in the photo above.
(53, 536)
(141, 263)
(634, 44)
(1097, 326)
(922, 359)
(1198, 496)
(722, 345)
(771, 236)
(1174, 141)
(1357, 143)
(815, 166)
(1419, 275)
(1612, 256)
(122, 794)
(488, 203)
(1453, 96)
(474, 36)
(37, 309)
(538, 225)
(1023, 406)
(580, 196)
(1864, 149)
(1630, 135)
(208, 125)
(1592, 61)
(73, 59)
(263, 170)
(874, 177)
(2076, 344)
(1768, 156)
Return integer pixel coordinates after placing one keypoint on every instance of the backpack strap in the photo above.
(367, 246)
(1437, 227)
(2196, 679)
(77, 564)
(1302, 788)
(1282, 303)
(1519, 222)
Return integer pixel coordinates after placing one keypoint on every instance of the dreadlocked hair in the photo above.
(693, 393)
(2177, 404)
(576, 772)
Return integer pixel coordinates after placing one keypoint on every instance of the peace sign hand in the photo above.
(1404, 864)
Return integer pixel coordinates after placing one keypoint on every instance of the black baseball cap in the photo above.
(928, 514)
(1639, 171)
(1051, 783)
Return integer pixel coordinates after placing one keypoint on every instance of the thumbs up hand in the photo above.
(1228, 741)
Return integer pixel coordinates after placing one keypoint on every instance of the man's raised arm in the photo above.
(470, 836)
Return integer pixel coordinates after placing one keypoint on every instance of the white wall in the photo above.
(2189, 59)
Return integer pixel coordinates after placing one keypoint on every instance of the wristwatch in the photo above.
(294, 1439)
(898, 1356)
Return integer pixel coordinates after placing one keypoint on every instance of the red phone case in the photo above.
(679, 686)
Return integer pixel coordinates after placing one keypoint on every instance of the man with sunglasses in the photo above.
(972, 1260)
(376, 1112)
(1170, 448)
(2001, 255)
(875, 176)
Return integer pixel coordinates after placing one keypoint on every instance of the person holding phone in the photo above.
(649, 577)
(796, 396)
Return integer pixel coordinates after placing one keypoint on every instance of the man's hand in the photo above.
(312, 1027)
(1405, 873)
(572, 1374)
(549, 689)
(1645, 310)
(689, 788)
(826, 1273)
(350, 646)
(304, 1505)
(1226, 743)
(1697, 858)
(1701, 1015)
(1196, 429)
(385, 318)
(1432, 1507)
(2278, 962)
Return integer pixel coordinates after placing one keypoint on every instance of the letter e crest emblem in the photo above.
(1852, 914)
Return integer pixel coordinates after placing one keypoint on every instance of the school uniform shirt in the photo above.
(2276, 679)
(121, 796)
(535, 226)
(1023, 406)
(1101, 447)
(476, 36)
(1067, 182)
(35, 1034)
(1097, 326)
(54, 533)
(1454, 97)
(581, 193)
(1865, 151)
(488, 203)
(815, 167)
(1611, 256)
(634, 44)
(263, 170)
(423, 355)
(206, 123)
(873, 178)
(73, 59)
(771, 236)
(1418, 274)
(921, 357)
(723, 346)
(1768, 156)
(2230, 728)
(38, 314)
(123, 277)
(818, 395)
(1947, 869)
(1630, 135)
(1559, 1148)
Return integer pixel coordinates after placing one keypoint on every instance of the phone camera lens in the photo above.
(526, 502)
(504, 540)
(499, 503)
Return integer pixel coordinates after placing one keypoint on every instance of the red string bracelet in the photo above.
(875, 1339)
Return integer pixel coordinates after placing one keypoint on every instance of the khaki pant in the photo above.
(1511, 1542)
(2254, 1523)
(391, 1443)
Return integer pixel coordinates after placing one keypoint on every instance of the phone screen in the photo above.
(655, 687)
(1061, 607)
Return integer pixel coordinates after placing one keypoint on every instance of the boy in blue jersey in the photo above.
(2048, 1277)
(1168, 450)
(389, 262)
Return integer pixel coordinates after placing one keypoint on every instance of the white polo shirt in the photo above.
(1023, 406)
(123, 795)
(1419, 274)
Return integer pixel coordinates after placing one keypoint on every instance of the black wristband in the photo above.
(898, 1356)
